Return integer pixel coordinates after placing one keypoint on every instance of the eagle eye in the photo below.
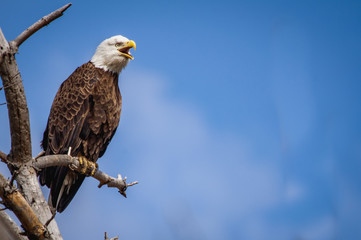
(118, 45)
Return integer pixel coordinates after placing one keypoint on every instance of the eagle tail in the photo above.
(46, 176)
(63, 184)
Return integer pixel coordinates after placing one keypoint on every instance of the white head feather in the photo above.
(108, 55)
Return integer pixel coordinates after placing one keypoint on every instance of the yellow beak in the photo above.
(131, 44)
(124, 50)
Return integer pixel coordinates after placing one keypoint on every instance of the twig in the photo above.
(15, 173)
(38, 25)
(3, 156)
(51, 219)
(42, 153)
(69, 151)
(72, 162)
(106, 237)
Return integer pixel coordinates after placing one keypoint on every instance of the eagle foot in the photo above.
(87, 167)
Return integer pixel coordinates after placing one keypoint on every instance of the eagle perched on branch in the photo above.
(84, 117)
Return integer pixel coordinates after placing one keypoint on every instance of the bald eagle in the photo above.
(84, 117)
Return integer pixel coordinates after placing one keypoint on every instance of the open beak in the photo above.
(124, 50)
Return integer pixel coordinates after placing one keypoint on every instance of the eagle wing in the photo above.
(68, 113)
(68, 127)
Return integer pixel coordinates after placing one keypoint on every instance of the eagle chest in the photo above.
(105, 104)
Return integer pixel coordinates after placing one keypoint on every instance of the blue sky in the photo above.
(240, 118)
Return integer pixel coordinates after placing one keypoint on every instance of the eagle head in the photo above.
(113, 53)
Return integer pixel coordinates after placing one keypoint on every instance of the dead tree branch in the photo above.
(13, 200)
(3, 157)
(38, 25)
(9, 229)
(106, 237)
(73, 163)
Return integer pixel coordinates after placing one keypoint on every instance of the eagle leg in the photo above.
(87, 167)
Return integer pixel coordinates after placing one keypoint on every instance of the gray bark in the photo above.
(20, 156)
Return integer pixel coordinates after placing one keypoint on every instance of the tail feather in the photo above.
(46, 176)
(63, 184)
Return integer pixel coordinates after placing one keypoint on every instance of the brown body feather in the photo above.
(84, 116)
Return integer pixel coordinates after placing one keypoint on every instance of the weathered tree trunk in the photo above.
(20, 157)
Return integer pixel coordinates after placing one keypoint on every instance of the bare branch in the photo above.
(55, 160)
(73, 163)
(3, 156)
(38, 25)
(13, 199)
(106, 237)
(8, 228)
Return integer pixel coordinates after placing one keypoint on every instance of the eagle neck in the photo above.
(115, 75)
(108, 65)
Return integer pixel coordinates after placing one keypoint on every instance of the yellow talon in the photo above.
(87, 167)
(94, 167)
(83, 164)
